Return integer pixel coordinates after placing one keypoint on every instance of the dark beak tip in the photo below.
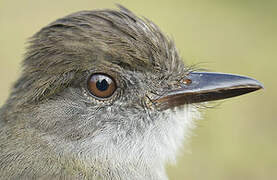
(207, 86)
(257, 85)
(261, 86)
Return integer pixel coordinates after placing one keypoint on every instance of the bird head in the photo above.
(107, 86)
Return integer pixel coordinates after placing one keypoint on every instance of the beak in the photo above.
(199, 87)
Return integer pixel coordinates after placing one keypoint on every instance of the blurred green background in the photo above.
(235, 140)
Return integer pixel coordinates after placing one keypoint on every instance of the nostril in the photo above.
(186, 81)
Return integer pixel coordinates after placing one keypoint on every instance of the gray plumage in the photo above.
(53, 127)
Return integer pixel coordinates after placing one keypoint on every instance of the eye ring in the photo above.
(101, 86)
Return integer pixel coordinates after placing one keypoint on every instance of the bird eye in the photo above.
(101, 85)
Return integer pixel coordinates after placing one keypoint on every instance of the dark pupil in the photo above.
(102, 85)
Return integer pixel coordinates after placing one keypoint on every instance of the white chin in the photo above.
(177, 129)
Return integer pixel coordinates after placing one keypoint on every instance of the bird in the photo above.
(104, 94)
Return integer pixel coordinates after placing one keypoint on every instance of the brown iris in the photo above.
(101, 85)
